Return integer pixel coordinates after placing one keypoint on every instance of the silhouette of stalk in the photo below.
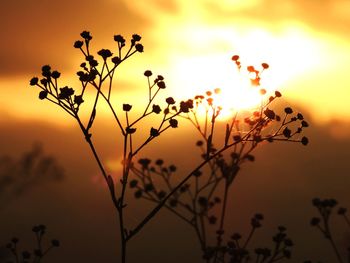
(193, 202)
(39, 252)
(32, 168)
(99, 77)
(325, 208)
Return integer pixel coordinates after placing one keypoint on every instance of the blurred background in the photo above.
(190, 43)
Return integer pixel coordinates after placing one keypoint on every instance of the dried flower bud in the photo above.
(199, 143)
(133, 183)
(144, 163)
(65, 93)
(55, 243)
(34, 81)
(148, 73)
(116, 60)
(288, 110)
(149, 187)
(78, 44)
(287, 132)
(119, 38)
(185, 106)
(55, 74)
(161, 84)
(278, 94)
(172, 168)
(86, 35)
(35, 229)
(46, 69)
(93, 63)
(249, 157)
(255, 222)
(235, 57)
(159, 162)
(78, 99)
(138, 194)
(139, 47)
(154, 132)
(170, 100)
(265, 65)
(105, 53)
(43, 94)
(259, 216)
(136, 37)
(173, 123)
(251, 69)
(262, 91)
(315, 221)
(255, 82)
(156, 109)
(237, 138)
(127, 107)
(130, 130)
(304, 141)
(270, 114)
(304, 124)
(342, 211)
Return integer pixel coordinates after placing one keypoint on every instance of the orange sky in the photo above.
(306, 44)
(190, 43)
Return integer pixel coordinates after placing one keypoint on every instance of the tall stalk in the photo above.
(98, 75)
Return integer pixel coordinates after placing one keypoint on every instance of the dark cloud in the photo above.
(40, 32)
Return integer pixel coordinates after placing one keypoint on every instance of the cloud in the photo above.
(325, 16)
(280, 183)
(39, 32)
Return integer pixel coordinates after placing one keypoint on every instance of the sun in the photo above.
(233, 87)
(198, 58)
(238, 93)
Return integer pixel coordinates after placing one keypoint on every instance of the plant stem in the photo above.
(249, 237)
(335, 249)
(223, 211)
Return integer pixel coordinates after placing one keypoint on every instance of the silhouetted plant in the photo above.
(326, 208)
(242, 137)
(197, 202)
(34, 255)
(237, 251)
(98, 75)
(31, 169)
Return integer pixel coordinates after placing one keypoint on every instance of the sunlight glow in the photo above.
(191, 44)
(196, 69)
(197, 39)
(236, 91)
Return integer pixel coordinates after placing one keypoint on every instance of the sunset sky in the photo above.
(190, 43)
